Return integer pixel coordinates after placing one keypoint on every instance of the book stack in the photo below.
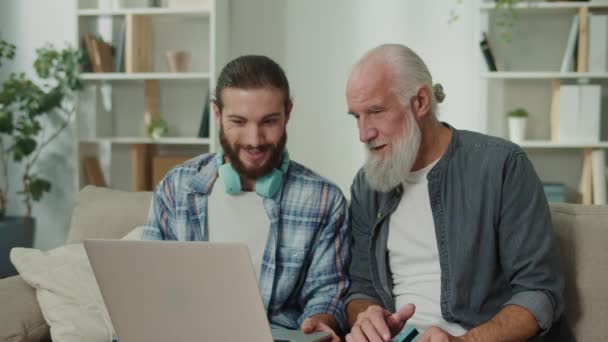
(555, 192)
(598, 44)
(593, 177)
(579, 113)
(587, 47)
(99, 54)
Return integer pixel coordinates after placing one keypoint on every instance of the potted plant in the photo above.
(506, 16)
(156, 128)
(517, 124)
(32, 115)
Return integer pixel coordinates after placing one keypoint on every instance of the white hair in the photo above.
(410, 71)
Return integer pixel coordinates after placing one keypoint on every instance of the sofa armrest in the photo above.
(20, 316)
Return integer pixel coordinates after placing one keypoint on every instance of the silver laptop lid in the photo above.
(179, 291)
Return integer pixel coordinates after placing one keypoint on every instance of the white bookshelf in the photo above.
(196, 12)
(540, 5)
(149, 141)
(111, 105)
(527, 67)
(121, 76)
(541, 144)
(531, 75)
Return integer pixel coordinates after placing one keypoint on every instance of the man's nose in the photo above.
(366, 131)
(254, 137)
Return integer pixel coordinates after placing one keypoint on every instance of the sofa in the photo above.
(582, 232)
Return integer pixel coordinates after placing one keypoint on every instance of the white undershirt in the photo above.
(239, 218)
(414, 256)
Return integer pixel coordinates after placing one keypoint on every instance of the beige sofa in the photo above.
(103, 213)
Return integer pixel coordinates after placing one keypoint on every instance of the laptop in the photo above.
(183, 291)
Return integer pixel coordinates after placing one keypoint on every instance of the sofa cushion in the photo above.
(582, 232)
(102, 213)
(67, 292)
(20, 316)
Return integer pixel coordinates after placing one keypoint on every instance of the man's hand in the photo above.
(377, 325)
(315, 324)
(435, 334)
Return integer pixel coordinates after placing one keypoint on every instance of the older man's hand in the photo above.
(376, 324)
(435, 334)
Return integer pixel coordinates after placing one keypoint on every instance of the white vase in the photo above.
(517, 129)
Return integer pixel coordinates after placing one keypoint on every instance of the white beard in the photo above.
(385, 174)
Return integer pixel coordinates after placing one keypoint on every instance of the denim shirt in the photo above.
(493, 228)
(304, 264)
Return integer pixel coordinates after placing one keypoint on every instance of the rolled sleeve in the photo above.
(358, 295)
(538, 303)
(529, 251)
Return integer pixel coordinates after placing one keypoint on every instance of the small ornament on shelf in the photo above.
(517, 124)
(156, 128)
(178, 61)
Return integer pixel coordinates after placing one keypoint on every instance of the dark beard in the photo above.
(232, 152)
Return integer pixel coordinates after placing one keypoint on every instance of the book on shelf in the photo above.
(93, 172)
(119, 56)
(598, 176)
(487, 53)
(138, 43)
(203, 130)
(586, 183)
(555, 192)
(579, 113)
(582, 54)
(598, 43)
(571, 47)
(99, 54)
(554, 115)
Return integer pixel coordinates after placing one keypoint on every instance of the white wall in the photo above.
(316, 41)
(322, 40)
(30, 24)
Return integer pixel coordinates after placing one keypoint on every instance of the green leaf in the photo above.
(7, 51)
(6, 122)
(49, 101)
(22, 147)
(37, 187)
(28, 127)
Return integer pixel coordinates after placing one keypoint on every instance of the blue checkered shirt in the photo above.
(303, 269)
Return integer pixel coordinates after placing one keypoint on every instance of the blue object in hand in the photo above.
(409, 334)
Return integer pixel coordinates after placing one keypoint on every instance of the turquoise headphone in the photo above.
(265, 186)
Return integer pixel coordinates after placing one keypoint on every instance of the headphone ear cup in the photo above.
(268, 185)
(230, 178)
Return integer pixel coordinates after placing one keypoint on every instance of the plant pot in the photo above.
(517, 128)
(14, 232)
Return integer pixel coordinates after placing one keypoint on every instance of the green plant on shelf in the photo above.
(157, 128)
(506, 16)
(518, 113)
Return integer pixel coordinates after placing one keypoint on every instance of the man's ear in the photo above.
(421, 102)
(216, 111)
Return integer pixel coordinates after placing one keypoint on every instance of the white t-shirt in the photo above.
(239, 218)
(414, 256)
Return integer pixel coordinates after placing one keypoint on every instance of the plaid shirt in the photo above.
(303, 269)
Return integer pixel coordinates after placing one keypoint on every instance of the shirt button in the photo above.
(379, 214)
